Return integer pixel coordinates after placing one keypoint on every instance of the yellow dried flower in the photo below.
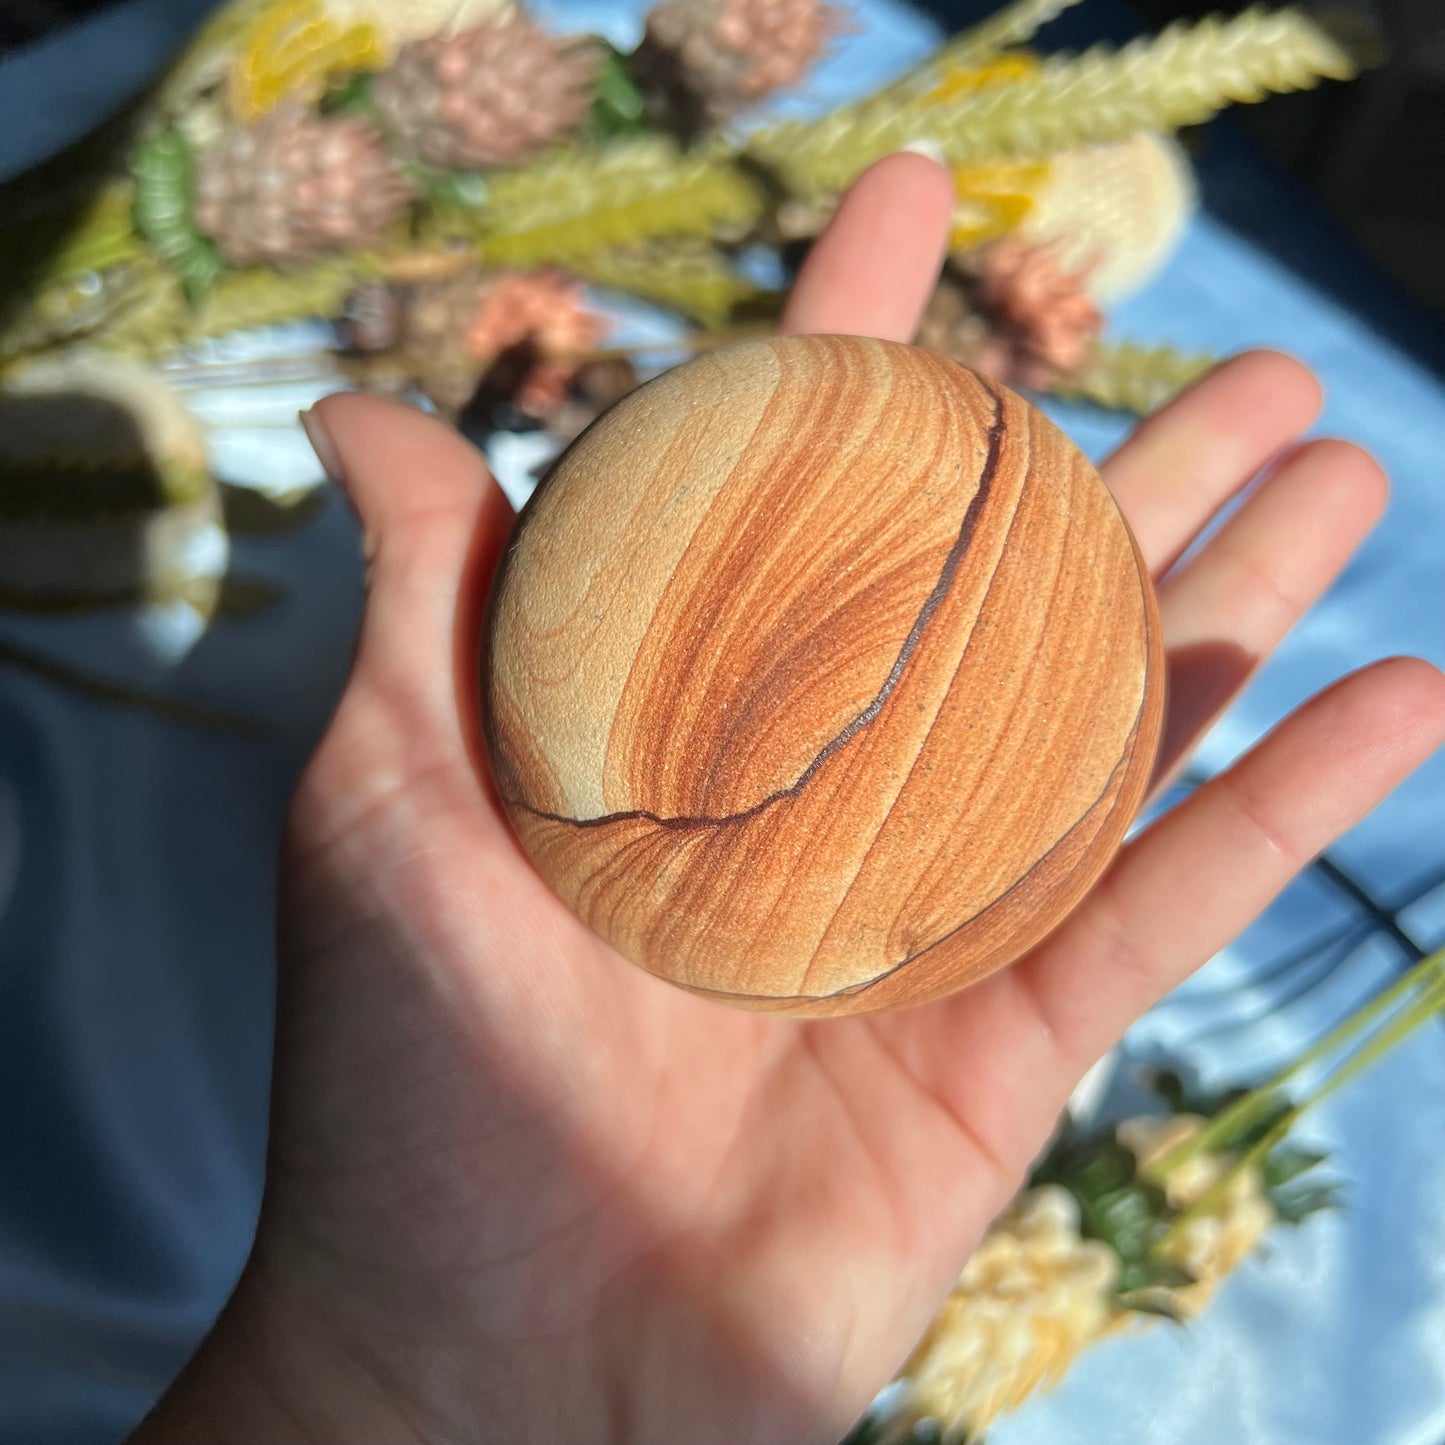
(1034, 1294)
(293, 49)
(994, 198)
(1037, 1292)
(957, 81)
(1209, 1246)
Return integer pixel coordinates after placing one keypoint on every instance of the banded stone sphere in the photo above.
(822, 676)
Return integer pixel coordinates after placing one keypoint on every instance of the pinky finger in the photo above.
(1195, 879)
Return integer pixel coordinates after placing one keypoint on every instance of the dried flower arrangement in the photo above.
(445, 181)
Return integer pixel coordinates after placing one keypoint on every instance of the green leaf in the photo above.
(1296, 1204)
(1181, 1099)
(466, 190)
(1128, 1220)
(1153, 1274)
(1254, 1124)
(619, 108)
(1109, 1166)
(1152, 1302)
(164, 171)
(351, 96)
(1116, 1206)
(199, 269)
(1288, 1162)
(1060, 1158)
(1170, 1087)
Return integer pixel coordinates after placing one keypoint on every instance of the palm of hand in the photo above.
(527, 1189)
(498, 1142)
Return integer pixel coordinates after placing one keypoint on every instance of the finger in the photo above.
(1185, 462)
(435, 523)
(1230, 606)
(1002, 1057)
(875, 265)
(1195, 879)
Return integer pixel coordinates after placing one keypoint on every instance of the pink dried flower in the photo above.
(547, 311)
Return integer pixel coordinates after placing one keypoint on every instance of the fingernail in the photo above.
(323, 446)
(928, 149)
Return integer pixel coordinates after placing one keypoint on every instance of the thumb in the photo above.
(434, 522)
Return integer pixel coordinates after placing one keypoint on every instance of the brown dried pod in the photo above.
(295, 186)
(596, 386)
(495, 94)
(701, 62)
(822, 676)
(371, 317)
(1013, 313)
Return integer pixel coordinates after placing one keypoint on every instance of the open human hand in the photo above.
(520, 1190)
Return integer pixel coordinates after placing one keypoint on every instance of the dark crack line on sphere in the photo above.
(926, 613)
(856, 990)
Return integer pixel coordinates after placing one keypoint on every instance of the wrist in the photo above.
(269, 1370)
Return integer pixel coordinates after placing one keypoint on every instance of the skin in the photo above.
(519, 1190)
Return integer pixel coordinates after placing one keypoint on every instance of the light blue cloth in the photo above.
(137, 897)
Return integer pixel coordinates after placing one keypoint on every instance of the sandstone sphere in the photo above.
(822, 675)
